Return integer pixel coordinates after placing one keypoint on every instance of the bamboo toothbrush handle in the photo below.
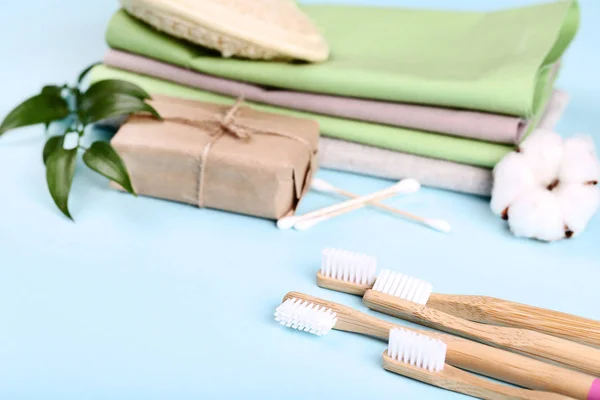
(460, 381)
(341, 286)
(473, 356)
(490, 310)
(530, 343)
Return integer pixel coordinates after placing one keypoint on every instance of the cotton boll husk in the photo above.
(543, 150)
(537, 214)
(578, 204)
(580, 164)
(512, 177)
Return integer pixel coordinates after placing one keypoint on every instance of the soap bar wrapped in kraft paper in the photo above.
(227, 157)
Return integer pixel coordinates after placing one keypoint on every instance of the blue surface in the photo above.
(147, 299)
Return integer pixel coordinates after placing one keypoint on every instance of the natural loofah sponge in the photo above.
(254, 29)
(548, 189)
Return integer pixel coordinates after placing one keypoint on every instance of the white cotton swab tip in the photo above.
(288, 222)
(406, 186)
(439, 225)
(322, 186)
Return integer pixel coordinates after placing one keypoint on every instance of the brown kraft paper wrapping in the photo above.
(255, 163)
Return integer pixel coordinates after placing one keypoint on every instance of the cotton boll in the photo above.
(550, 189)
(543, 150)
(578, 204)
(512, 176)
(580, 164)
(537, 214)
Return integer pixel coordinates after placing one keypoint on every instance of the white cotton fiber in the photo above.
(578, 204)
(537, 215)
(512, 176)
(543, 150)
(549, 189)
(580, 164)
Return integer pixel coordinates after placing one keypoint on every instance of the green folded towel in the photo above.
(461, 150)
(491, 61)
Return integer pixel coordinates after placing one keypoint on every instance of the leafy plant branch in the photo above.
(77, 110)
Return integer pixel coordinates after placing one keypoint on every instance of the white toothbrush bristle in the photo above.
(420, 351)
(305, 316)
(348, 266)
(403, 286)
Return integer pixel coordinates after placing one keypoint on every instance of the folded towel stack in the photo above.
(439, 96)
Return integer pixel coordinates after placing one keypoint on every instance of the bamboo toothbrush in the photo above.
(490, 310)
(307, 313)
(483, 309)
(530, 343)
(405, 186)
(423, 358)
(404, 297)
(323, 186)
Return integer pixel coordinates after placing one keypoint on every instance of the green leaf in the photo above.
(52, 90)
(111, 86)
(103, 158)
(52, 144)
(60, 169)
(84, 73)
(113, 105)
(43, 108)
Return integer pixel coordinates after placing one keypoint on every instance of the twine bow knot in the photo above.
(228, 124)
(220, 125)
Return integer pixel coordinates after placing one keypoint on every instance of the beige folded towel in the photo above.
(358, 158)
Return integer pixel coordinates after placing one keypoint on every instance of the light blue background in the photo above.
(147, 299)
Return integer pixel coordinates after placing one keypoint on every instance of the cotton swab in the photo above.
(323, 186)
(310, 222)
(402, 187)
